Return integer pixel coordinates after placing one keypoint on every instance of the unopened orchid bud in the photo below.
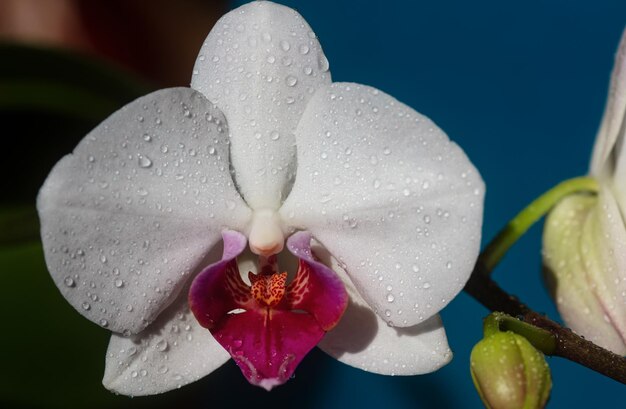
(509, 373)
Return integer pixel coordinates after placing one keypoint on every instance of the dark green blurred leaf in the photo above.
(22, 63)
(18, 224)
(49, 100)
(64, 99)
(52, 357)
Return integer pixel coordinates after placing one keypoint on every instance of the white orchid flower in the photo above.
(261, 148)
(585, 236)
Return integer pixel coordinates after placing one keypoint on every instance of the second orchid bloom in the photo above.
(585, 235)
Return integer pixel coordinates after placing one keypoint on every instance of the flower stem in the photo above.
(568, 345)
(486, 291)
(516, 228)
(541, 339)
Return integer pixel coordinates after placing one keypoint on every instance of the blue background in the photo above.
(521, 86)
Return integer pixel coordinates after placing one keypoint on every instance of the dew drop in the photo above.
(103, 322)
(86, 306)
(284, 45)
(304, 49)
(144, 161)
(390, 297)
(322, 63)
(291, 80)
(119, 283)
(426, 286)
(161, 345)
(69, 282)
(274, 135)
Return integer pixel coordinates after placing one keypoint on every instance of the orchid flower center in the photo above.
(268, 287)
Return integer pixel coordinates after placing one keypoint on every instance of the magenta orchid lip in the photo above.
(269, 331)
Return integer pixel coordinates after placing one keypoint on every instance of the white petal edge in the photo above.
(604, 251)
(261, 64)
(174, 351)
(134, 210)
(363, 340)
(388, 194)
(567, 271)
(611, 134)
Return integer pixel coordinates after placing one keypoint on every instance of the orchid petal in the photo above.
(611, 134)
(173, 351)
(261, 64)
(364, 340)
(604, 252)
(570, 254)
(386, 192)
(219, 289)
(268, 346)
(135, 209)
(316, 288)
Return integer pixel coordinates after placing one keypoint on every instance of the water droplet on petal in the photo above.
(144, 161)
(69, 282)
(161, 345)
(291, 80)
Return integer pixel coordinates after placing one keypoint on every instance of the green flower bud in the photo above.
(509, 373)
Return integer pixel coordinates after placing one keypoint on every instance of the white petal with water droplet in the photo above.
(128, 232)
(364, 340)
(174, 351)
(579, 265)
(407, 223)
(252, 65)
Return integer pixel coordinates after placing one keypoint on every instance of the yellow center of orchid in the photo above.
(268, 290)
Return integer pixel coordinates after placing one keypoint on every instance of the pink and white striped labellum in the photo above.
(262, 150)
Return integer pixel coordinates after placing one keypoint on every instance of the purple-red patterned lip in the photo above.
(270, 326)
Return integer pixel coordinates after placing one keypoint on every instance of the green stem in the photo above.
(540, 338)
(516, 228)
